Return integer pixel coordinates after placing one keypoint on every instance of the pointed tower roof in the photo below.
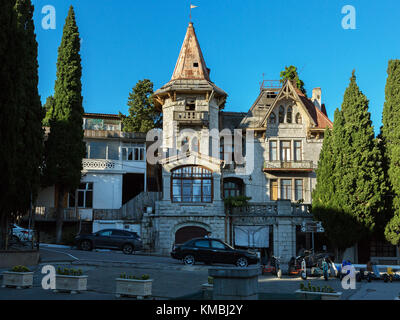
(191, 64)
(191, 74)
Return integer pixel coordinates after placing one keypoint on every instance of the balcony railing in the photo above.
(47, 213)
(305, 165)
(101, 164)
(275, 208)
(191, 117)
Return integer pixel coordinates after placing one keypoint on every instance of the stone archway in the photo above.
(187, 233)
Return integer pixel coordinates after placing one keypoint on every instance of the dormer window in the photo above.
(190, 105)
(281, 114)
(195, 64)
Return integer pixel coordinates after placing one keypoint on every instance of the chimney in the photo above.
(316, 97)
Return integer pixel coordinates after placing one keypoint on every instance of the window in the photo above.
(102, 150)
(105, 233)
(382, 249)
(196, 64)
(281, 114)
(272, 118)
(120, 233)
(297, 151)
(298, 190)
(286, 189)
(285, 151)
(233, 187)
(202, 243)
(289, 115)
(217, 245)
(133, 154)
(273, 150)
(84, 194)
(192, 184)
(298, 118)
(97, 150)
(190, 105)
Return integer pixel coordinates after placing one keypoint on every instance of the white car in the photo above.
(22, 234)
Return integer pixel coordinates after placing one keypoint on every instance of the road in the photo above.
(171, 278)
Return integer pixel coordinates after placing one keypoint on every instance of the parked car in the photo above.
(21, 234)
(126, 241)
(212, 251)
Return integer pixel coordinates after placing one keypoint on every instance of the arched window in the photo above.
(289, 115)
(233, 187)
(281, 114)
(298, 118)
(192, 184)
(272, 118)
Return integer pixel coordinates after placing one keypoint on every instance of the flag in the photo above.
(193, 6)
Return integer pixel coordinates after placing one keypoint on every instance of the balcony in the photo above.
(289, 166)
(50, 214)
(191, 117)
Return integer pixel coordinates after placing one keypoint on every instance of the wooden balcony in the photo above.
(289, 166)
(191, 117)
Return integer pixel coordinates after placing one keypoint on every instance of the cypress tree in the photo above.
(350, 190)
(29, 130)
(390, 133)
(9, 112)
(65, 147)
(363, 180)
(340, 226)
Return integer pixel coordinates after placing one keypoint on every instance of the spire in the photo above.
(191, 64)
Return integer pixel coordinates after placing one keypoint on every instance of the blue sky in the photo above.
(128, 40)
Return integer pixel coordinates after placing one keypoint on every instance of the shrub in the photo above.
(131, 277)
(20, 269)
(69, 272)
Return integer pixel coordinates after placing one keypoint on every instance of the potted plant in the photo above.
(133, 286)
(18, 277)
(326, 292)
(70, 280)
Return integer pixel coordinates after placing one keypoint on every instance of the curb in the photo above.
(45, 245)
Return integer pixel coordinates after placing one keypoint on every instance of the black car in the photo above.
(126, 241)
(212, 251)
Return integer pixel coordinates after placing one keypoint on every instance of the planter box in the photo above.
(18, 279)
(134, 288)
(323, 295)
(73, 284)
(207, 290)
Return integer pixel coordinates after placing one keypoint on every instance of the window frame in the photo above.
(206, 175)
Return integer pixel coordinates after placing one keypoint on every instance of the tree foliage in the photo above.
(142, 114)
(390, 133)
(30, 132)
(65, 148)
(349, 195)
(290, 73)
(9, 108)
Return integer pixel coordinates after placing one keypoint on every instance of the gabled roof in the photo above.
(318, 119)
(191, 64)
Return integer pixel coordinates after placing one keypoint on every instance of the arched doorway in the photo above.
(187, 233)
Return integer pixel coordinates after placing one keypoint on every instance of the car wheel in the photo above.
(127, 249)
(188, 260)
(86, 245)
(242, 262)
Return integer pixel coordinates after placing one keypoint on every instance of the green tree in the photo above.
(290, 73)
(9, 112)
(65, 148)
(363, 181)
(350, 190)
(29, 130)
(142, 114)
(48, 109)
(390, 133)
